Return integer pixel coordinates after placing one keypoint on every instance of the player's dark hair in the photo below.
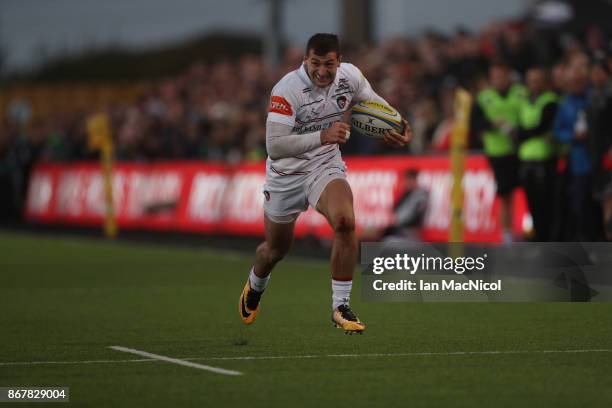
(323, 43)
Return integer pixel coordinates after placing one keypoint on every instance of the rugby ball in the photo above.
(372, 119)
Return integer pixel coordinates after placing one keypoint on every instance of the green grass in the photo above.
(69, 300)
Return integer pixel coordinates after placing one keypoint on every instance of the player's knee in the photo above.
(343, 224)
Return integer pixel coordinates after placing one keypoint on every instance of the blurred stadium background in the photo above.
(173, 97)
(186, 88)
(189, 84)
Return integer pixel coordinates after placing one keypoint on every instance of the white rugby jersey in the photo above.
(297, 102)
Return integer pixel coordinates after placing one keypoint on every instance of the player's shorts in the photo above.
(284, 206)
(505, 170)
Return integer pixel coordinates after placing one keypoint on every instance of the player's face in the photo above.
(322, 68)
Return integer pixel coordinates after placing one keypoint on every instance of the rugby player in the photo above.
(304, 129)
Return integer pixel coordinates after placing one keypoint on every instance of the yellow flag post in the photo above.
(459, 138)
(98, 129)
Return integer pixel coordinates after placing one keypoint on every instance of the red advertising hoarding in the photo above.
(219, 198)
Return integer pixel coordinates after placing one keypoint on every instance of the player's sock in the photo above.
(257, 283)
(341, 292)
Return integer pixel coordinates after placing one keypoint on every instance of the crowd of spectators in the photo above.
(217, 111)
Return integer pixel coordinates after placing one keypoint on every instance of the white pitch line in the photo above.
(26, 363)
(311, 356)
(185, 363)
(416, 354)
(266, 357)
(461, 353)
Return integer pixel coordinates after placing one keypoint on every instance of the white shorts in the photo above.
(284, 206)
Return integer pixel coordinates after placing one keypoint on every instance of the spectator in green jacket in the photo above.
(495, 117)
(536, 151)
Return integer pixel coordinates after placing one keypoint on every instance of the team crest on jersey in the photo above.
(341, 101)
(280, 105)
(267, 195)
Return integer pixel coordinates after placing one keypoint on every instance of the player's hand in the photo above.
(339, 132)
(397, 140)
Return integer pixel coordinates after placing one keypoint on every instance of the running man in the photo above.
(304, 167)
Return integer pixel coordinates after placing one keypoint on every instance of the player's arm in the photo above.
(365, 92)
(281, 143)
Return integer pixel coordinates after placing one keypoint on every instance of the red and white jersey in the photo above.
(297, 102)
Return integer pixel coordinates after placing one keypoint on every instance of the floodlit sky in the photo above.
(31, 30)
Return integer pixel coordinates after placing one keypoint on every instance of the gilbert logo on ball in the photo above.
(372, 119)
